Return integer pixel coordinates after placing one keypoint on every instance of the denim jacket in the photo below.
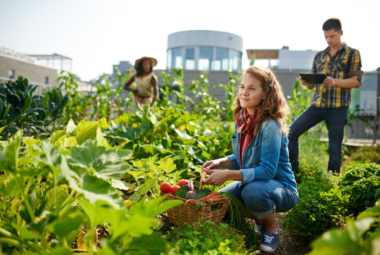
(266, 157)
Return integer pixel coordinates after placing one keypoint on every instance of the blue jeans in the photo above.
(263, 198)
(336, 119)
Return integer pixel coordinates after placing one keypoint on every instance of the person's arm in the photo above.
(343, 83)
(353, 81)
(128, 84)
(155, 89)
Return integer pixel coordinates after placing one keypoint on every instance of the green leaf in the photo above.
(135, 174)
(70, 127)
(64, 227)
(120, 185)
(153, 244)
(87, 132)
(26, 234)
(143, 189)
(347, 241)
(154, 207)
(95, 189)
(105, 164)
(183, 135)
(8, 188)
(121, 223)
(100, 140)
(167, 165)
(9, 155)
(103, 124)
(50, 156)
(54, 137)
(61, 197)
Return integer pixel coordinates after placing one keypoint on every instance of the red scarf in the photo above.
(246, 124)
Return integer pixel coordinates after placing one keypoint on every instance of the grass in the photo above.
(313, 154)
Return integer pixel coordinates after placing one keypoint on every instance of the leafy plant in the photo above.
(321, 206)
(359, 237)
(362, 182)
(365, 154)
(48, 197)
(206, 238)
(233, 81)
(19, 109)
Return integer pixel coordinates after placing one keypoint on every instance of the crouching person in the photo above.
(264, 182)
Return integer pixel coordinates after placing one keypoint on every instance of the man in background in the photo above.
(342, 66)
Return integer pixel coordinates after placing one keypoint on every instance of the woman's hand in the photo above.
(217, 177)
(135, 91)
(209, 165)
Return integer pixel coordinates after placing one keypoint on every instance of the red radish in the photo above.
(191, 194)
(174, 189)
(182, 182)
(166, 187)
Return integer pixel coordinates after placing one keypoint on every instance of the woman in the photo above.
(145, 82)
(265, 182)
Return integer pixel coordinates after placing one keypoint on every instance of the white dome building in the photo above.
(204, 50)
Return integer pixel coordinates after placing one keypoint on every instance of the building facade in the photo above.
(204, 50)
(11, 67)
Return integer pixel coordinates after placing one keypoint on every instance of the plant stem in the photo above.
(28, 207)
(68, 205)
(55, 192)
(28, 186)
(5, 232)
(9, 241)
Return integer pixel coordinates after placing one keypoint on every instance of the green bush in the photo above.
(359, 237)
(366, 154)
(321, 206)
(206, 238)
(362, 182)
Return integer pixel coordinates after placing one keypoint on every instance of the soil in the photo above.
(288, 244)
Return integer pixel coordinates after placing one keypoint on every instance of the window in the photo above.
(235, 60)
(169, 60)
(11, 74)
(206, 55)
(176, 58)
(189, 59)
(47, 80)
(221, 60)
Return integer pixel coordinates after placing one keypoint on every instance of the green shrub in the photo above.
(321, 206)
(359, 237)
(366, 154)
(206, 238)
(362, 182)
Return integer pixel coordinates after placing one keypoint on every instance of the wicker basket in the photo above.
(182, 214)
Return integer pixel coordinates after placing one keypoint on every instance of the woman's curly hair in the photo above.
(274, 106)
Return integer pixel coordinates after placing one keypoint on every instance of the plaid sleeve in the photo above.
(355, 64)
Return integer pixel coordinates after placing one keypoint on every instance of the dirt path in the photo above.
(288, 245)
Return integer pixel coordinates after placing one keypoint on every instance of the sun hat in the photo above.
(153, 61)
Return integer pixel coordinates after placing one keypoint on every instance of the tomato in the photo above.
(174, 189)
(182, 182)
(165, 187)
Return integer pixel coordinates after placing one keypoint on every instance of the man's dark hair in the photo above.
(332, 24)
(140, 69)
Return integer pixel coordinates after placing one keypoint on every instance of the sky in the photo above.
(97, 34)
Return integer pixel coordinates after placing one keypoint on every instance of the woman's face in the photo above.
(146, 65)
(250, 93)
